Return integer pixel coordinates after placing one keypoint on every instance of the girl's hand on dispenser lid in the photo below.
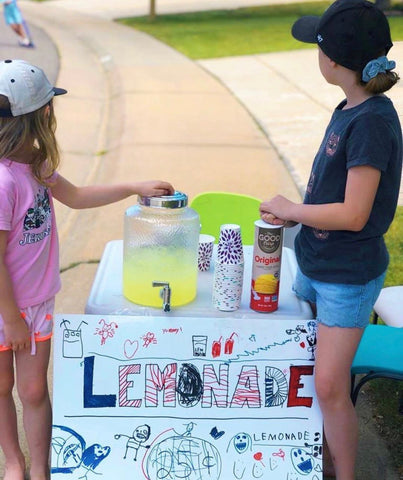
(154, 188)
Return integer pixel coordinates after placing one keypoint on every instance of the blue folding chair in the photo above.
(379, 355)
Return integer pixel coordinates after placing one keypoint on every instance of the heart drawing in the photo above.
(130, 348)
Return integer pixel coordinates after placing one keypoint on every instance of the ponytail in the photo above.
(381, 83)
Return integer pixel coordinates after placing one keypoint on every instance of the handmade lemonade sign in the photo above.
(184, 398)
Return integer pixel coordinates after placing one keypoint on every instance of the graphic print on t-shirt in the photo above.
(321, 234)
(309, 187)
(331, 145)
(37, 216)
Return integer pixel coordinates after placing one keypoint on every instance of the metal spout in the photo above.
(165, 294)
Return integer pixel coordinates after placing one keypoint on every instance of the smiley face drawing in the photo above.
(302, 461)
(242, 442)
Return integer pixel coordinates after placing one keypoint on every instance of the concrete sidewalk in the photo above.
(137, 109)
(290, 100)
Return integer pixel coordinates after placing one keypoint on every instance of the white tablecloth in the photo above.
(106, 295)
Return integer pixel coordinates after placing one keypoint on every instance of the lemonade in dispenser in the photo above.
(161, 236)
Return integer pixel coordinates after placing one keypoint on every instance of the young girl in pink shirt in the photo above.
(29, 263)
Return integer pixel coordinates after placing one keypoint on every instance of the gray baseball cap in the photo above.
(26, 87)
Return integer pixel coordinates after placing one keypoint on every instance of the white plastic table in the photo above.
(106, 296)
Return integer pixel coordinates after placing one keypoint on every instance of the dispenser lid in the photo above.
(177, 200)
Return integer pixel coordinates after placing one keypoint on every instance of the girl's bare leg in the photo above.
(335, 352)
(37, 415)
(14, 458)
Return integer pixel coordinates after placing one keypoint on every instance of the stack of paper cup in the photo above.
(228, 269)
(205, 253)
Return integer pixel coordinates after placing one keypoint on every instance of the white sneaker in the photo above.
(25, 43)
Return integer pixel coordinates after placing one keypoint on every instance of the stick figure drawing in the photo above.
(139, 436)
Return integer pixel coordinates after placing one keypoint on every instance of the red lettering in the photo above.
(296, 372)
(266, 260)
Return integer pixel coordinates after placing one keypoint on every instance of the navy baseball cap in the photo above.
(350, 32)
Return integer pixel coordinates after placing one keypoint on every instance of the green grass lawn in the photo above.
(243, 31)
(394, 242)
(385, 393)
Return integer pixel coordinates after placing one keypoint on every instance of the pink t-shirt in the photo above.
(32, 254)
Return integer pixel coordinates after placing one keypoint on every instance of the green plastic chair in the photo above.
(217, 208)
(379, 355)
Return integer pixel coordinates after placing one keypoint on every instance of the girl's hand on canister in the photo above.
(16, 334)
(154, 188)
(276, 211)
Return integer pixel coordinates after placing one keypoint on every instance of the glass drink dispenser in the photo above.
(161, 236)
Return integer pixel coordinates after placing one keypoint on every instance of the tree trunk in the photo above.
(152, 9)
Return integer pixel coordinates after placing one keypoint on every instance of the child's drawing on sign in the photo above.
(310, 337)
(229, 344)
(216, 348)
(72, 340)
(188, 430)
(258, 468)
(199, 343)
(246, 465)
(308, 458)
(183, 457)
(297, 332)
(70, 454)
(139, 436)
(280, 454)
(106, 331)
(148, 339)
(216, 434)
(303, 461)
(130, 348)
(242, 442)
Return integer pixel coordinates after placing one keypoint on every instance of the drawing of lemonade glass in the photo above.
(199, 345)
(72, 341)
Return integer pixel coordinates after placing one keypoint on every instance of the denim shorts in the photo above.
(339, 304)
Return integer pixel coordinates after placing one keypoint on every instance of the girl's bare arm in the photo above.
(97, 195)
(15, 329)
(352, 214)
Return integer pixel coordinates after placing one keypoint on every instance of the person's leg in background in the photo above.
(14, 19)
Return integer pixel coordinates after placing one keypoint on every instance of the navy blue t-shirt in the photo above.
(368, 134)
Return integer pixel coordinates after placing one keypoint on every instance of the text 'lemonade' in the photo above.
(266, 267)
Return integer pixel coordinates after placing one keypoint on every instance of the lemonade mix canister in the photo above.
(161, 237)
(266, 267)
